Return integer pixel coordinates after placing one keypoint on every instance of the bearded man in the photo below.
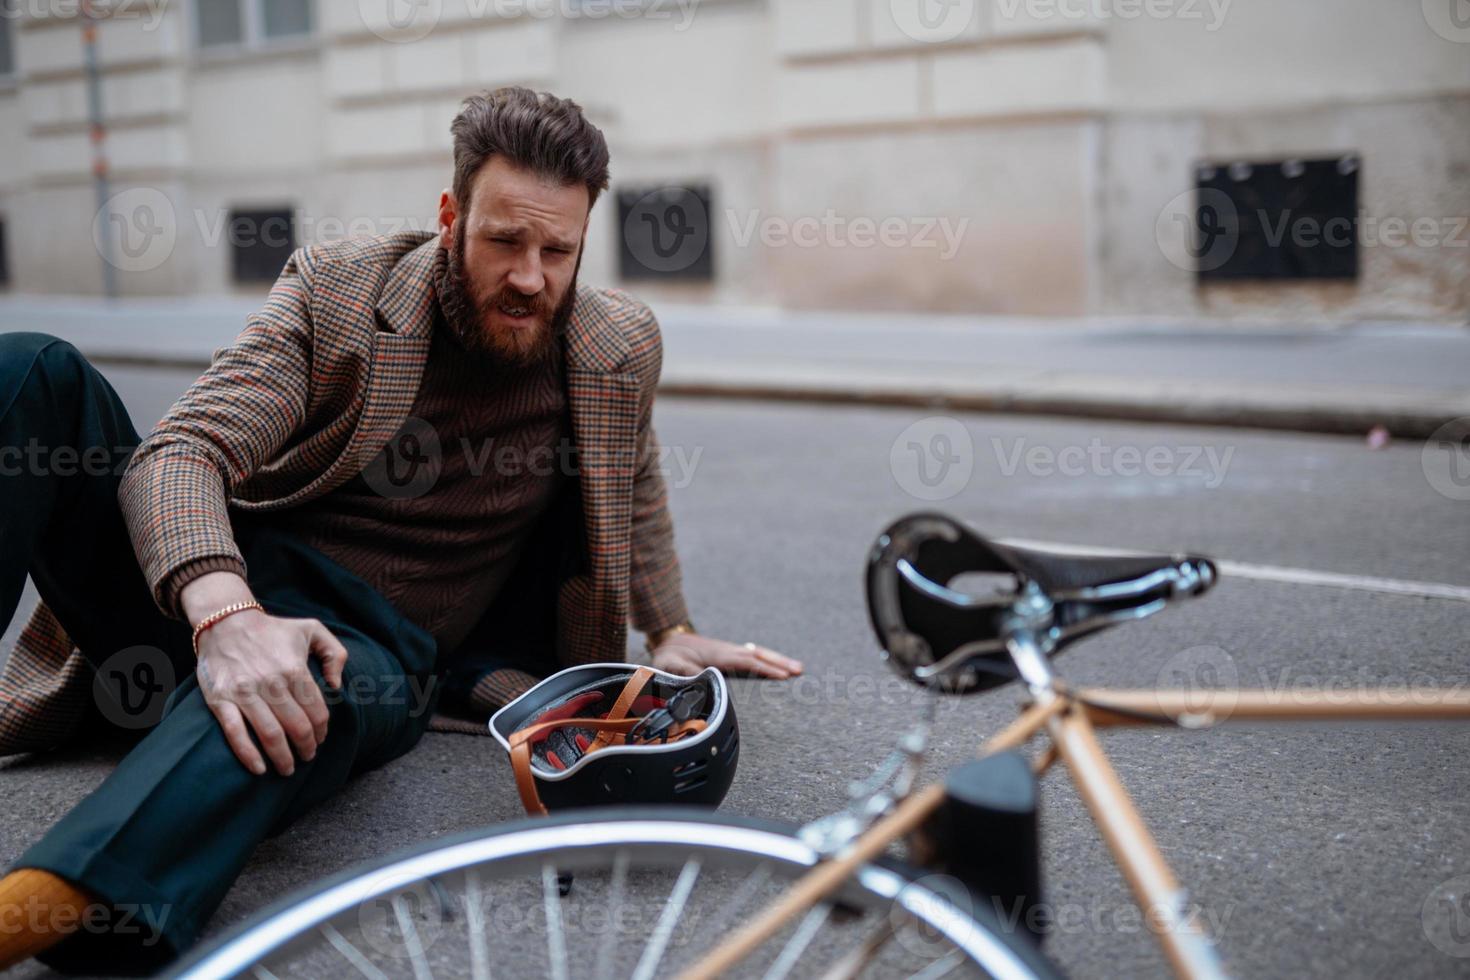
(426, 467)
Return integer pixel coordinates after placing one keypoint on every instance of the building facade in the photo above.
(1176, 158)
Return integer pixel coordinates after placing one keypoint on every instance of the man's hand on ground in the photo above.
(689, 653)
(253, 669)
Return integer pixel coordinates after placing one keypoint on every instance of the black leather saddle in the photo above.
(956, 640)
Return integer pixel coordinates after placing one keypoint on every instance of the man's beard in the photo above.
(470, 318)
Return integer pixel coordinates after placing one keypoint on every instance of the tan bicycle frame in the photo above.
(1070, 719)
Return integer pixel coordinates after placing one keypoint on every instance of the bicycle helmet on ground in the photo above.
(616, 733)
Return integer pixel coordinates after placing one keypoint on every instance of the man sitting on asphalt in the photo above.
(427, 465)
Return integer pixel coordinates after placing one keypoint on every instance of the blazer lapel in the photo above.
(396, 366)
(604, 403)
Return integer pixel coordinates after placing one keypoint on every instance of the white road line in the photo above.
(1276, 573)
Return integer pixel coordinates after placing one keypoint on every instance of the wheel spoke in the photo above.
(474, 905)
(853, 964)
(740, 899)
(411, 939)
(352, 954)
(653, 953)
(615, 904)
(556, 940)
(942, 967)
(811, 924)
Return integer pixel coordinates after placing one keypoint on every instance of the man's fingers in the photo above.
(786, 663)
(233, 725)
(311, 701)
(297, 726)
(263, 720)
(677, 662)
(331, 651)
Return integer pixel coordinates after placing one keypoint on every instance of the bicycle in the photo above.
(827, 887)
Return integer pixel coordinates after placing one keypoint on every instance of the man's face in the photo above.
(513, 260)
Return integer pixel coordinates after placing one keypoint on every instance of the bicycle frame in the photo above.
(1070, 719)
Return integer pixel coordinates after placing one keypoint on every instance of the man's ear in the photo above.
(446, 219)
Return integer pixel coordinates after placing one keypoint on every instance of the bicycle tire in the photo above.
(287, 930)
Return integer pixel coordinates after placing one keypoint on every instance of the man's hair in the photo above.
(533, 130)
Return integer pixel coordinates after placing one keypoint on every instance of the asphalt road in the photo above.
(1314, 851)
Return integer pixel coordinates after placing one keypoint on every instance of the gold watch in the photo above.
(658, 638)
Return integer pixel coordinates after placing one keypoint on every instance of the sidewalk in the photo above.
(1411, 378)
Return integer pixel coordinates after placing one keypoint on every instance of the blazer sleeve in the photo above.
(657, 594)
(174, 493)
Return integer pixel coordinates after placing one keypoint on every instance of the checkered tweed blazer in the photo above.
(312, 389)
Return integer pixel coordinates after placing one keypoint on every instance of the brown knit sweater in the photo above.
(435, 522)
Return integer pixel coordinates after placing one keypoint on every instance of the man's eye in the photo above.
(503, 241)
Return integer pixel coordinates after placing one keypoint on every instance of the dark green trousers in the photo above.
(162, 839)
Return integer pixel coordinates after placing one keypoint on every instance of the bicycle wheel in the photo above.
(650, 891)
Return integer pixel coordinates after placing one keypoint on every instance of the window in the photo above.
(1283, 219)
(7, 39)
(261, 240)
(664, 232)
(250, 23)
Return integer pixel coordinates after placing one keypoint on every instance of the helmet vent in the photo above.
(689, 776)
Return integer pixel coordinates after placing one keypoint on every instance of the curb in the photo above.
(1402, 421)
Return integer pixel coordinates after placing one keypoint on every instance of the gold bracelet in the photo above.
(657, 638)
(220, 614)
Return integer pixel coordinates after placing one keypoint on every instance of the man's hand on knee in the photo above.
(254, 671)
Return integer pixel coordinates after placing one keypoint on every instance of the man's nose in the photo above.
(526, 276)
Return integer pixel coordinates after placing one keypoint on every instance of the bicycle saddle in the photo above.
(959, 642)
